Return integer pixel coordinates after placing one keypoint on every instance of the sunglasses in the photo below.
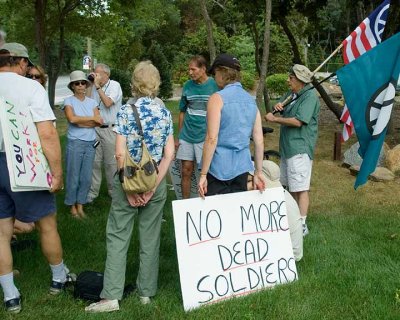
(33, 76)
(77, 83)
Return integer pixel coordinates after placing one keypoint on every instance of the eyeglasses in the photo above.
(33, 76)
(77, 83)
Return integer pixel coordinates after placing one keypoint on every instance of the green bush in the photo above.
(248, 80)
(277, 84)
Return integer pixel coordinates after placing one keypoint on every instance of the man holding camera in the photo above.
(108, 94)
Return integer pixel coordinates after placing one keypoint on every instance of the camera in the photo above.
(90, 77)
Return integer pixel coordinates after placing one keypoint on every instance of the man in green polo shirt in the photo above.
(192, 119)
(299, 132)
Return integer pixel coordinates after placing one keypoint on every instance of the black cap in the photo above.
(225, 60)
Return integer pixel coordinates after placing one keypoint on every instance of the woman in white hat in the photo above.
(82, 115)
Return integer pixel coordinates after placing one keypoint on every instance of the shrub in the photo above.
(248, 80)
(277, 84)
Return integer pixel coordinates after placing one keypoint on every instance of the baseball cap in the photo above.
(225, 60)
(272, 174)
(302, 73)
(14, 49)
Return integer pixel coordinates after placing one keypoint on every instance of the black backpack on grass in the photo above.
(89, 284)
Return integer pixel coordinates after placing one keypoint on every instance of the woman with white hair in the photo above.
(157, 127)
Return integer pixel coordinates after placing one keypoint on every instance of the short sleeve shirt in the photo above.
(22, 91)
(83, 109)
(295, 140)
(111, 89)
(194, 103)
(156, 123)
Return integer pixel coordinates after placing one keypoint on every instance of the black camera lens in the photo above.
(90, 77)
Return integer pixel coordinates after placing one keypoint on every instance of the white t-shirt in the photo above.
(112, 89)
(22, 91)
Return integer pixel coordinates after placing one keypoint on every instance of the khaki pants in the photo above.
(105, 152)
(118, 236)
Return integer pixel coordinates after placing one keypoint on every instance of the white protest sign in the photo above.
(232, 245)
(27, 165)
(176, 178)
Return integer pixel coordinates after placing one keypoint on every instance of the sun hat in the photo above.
(225, 60)
(302, 73)
(14, 49)
(272, 174)
(76, 76)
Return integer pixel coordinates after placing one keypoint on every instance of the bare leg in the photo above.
(79, 208)
(303, 200)
(6, 232)
(187, 170)
(50, 239)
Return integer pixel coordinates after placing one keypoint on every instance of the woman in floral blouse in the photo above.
(157, 128)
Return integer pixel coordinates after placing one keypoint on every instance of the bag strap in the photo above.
(137, 119)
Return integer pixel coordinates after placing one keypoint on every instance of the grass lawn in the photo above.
(350, 269)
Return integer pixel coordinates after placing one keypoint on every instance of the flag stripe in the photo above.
(362, 39)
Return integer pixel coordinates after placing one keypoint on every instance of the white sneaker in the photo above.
(145, 300)
(103, 306)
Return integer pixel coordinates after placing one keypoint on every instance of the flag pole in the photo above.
(327, 59)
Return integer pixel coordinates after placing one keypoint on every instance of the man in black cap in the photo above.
(298, 136)
(29, 206)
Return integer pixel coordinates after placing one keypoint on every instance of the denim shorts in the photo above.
(296, 172)
(190, 151)
(26, 206)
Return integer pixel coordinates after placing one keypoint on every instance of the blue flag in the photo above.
(368, 85)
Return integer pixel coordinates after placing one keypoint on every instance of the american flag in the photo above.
(366, 36)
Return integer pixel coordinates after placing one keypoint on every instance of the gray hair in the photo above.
(105, 68)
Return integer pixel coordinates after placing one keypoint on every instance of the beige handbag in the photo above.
(138, 177)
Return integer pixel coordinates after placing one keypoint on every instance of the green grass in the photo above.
(350, 269)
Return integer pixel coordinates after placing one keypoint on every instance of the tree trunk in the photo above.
(265, 56)
(40, 31)
(334, 107)
(291, 38)
(209, 27)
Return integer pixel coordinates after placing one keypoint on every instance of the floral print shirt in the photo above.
(156, 123)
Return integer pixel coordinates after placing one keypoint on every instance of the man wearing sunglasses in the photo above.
(108, 94)
(29, 206)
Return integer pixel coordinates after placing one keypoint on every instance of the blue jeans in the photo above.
(79, 166)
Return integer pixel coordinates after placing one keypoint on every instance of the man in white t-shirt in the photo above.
(29, 206)
(108, 94)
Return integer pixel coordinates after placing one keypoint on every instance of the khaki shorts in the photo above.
(190, 151)
(296, 172)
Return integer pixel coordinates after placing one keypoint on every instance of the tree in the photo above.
(210, 37)
(264, 62)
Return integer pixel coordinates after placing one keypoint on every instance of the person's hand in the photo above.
(134, 199)
(97, 80)
(98, 119)
(146, 196)
(259, 181)
(269, 117)
(177, 144)
(57, 183)
(202, 186)
(278, 107)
